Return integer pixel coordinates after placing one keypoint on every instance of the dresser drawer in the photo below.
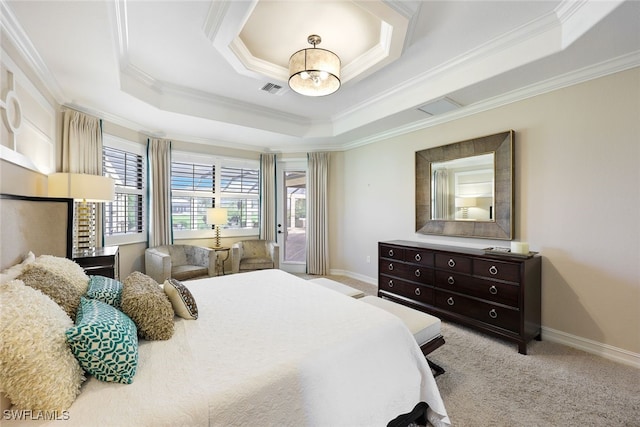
(410, 290)
(497, 270)
(392, 252)
(412, 272)
(416, 256)
(494, 291)
(457, 263)
(503, 317)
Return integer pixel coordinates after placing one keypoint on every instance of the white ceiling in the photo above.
(193, 70)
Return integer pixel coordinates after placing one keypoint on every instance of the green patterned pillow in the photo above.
(105, 342)
(106, 290)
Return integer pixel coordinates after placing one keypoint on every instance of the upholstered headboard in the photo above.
(42, 225)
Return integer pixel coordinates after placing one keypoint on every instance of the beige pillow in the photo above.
(14, 271)
(56, 287)
(37, 369)
(181, 299)
(147, 305)
(65, 268)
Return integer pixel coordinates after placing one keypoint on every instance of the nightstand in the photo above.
(220, 261)
(99, 262)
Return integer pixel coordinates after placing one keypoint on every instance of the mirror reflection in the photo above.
(463, 189)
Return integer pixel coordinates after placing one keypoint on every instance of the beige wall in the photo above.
(577, 201)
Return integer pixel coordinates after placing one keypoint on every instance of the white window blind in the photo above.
(199, 182)
(125, 216)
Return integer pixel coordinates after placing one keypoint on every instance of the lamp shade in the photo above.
(314, 71)
(79, 186)
(216, 216)
(465, 202)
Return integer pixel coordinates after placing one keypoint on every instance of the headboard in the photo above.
(43, 225)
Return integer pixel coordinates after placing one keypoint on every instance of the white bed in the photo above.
(268, 349)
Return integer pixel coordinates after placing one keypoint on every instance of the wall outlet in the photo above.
(368, 259)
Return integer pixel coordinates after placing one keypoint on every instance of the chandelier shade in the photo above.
(314, 71)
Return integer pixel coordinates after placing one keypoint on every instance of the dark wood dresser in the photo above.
(497, 294)
(100, 262)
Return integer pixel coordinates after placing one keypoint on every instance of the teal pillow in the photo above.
(106, 290)
(105, 342)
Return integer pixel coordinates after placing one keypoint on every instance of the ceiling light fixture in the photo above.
(314, 72)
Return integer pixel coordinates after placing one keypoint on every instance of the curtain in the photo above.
(317, 214)
(440, 194)
(82, 153)
(159, 182)
(268, 197)
(81, 143)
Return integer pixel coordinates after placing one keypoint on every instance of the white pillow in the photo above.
(14, 271)
(38, 371)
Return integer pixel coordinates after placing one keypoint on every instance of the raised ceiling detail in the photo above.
(271, 31)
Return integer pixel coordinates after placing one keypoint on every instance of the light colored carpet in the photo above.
(488, 383)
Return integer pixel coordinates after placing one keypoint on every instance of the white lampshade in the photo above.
(79, 186)
(217, 216)
(465, 202)
(314, 72)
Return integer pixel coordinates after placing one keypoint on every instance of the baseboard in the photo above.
(361, 277)
(599, 349)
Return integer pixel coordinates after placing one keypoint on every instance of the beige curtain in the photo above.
(82, 153)
(317, 214)
(159, 182)
(268, 197)
(81, 143)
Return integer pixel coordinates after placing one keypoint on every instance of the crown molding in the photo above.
(12, 28)
(616, 65)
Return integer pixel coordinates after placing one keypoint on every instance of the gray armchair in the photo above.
(181, 262)
(251, 255)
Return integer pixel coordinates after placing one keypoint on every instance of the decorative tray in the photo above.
(507, 252)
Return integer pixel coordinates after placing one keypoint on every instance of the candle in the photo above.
(520, 247)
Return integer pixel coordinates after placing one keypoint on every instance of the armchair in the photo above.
(250, 255)
(181, 262)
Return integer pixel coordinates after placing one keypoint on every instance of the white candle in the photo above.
(520, 247)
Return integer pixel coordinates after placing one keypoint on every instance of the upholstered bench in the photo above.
(338, 287)
(424, 327)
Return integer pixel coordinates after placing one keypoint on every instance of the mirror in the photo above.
(466, 188)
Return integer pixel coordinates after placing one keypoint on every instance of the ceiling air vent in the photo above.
(272, 88)
(439, 106)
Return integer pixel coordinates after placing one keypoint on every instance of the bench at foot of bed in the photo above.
(424, 327)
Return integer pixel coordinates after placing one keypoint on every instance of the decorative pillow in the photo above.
(38, 372)
(105, 289)
(14, 271)
(54, 286)
(105, 342)
(144, 301)
(66, 268)
(181, 299)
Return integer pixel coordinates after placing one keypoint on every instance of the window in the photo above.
(199, 182)
(240, 189)
(124, 218)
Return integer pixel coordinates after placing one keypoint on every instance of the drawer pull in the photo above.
(418, 291)
(493, 270)
(418, 257)
(391, 283)
(493, 313)
(493, 290)
(390, 252)
(451, 280)
(390, 267)
(450, 301)
(451, 263)
(417, 273)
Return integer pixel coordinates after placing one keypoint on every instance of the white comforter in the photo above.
(269, 349)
